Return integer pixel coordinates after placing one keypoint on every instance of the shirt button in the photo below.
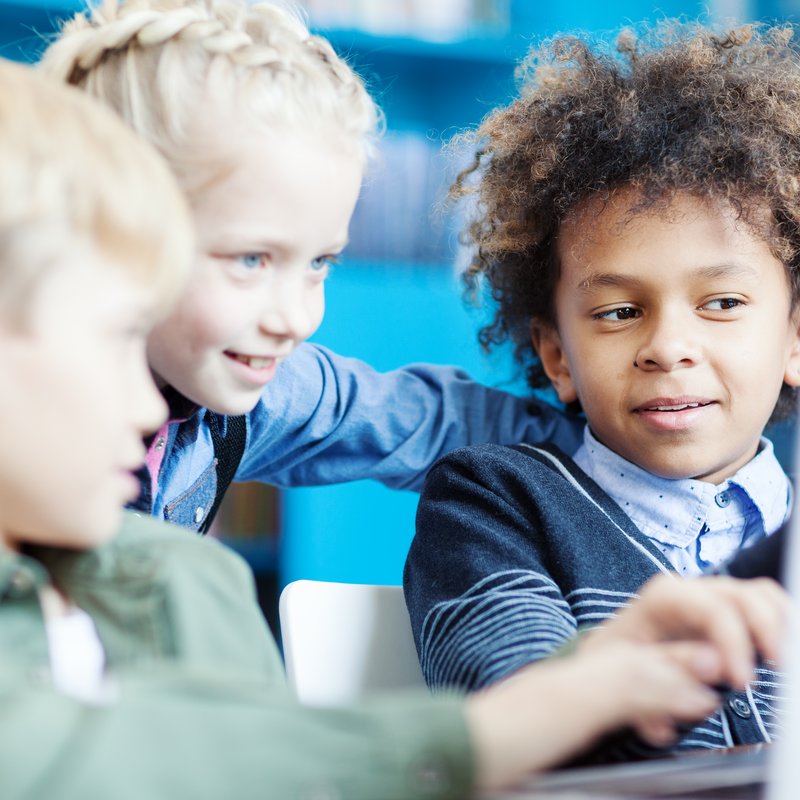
(21, 583)
(198, 514)
(723, 499)
(431, 777)
(160, 443)
(740, 707)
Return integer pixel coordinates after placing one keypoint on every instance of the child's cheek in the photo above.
(213, 320)
(206, 315)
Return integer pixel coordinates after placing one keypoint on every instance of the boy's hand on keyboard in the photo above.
(548, 712)
(742, 619)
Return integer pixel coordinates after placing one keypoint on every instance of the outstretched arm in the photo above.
(328, 419)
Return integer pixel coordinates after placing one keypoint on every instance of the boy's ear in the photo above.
(547, 343)
(791, 375)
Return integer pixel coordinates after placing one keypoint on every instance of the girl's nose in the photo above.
(292, 308)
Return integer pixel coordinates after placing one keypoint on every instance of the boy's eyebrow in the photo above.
(599, 280)
(615, 279)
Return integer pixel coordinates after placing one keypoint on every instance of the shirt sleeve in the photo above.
(175, 733)
(478, 585)
(328, 419)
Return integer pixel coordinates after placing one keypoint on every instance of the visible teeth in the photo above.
(254, 361)
(675, 408)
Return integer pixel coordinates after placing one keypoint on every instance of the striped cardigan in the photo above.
(516, 547)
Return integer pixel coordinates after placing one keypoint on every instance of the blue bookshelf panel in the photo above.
(389, 315)
(547, 19)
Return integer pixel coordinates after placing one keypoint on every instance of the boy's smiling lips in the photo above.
(674, 413)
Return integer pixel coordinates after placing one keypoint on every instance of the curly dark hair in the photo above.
(675, 108)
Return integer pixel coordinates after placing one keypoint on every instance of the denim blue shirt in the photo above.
(328, 419)
(695, 524)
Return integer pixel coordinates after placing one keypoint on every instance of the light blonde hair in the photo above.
(69, 171)
(178, 70)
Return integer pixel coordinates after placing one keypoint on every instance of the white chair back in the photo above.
(343, 641)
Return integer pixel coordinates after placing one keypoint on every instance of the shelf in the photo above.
(501, 50)
(428, 86)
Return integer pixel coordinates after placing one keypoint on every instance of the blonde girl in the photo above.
(268, 131)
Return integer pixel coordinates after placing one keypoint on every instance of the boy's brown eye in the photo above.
(618, 314)
(723, 304)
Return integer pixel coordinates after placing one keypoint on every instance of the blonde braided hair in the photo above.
(162, 64)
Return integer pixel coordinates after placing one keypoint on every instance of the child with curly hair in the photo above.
(639, 227)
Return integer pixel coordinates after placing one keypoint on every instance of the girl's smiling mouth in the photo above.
(254, 362)
(254, 371)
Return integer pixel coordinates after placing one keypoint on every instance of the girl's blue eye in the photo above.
(324, 263)
(252, 260)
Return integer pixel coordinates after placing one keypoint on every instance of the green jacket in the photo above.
(198, 707)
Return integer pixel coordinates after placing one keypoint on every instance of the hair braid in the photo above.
(86, 40)
(162, 64)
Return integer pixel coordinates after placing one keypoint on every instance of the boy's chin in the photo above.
(87, 532)
(94, 530)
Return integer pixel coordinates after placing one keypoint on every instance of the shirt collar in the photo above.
(674, 511)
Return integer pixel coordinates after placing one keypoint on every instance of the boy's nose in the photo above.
(150, 407)
(668, 343)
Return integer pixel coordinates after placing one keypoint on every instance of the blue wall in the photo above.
(389, 315)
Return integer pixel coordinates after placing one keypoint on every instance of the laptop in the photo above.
(755, 772)
(741, 773)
